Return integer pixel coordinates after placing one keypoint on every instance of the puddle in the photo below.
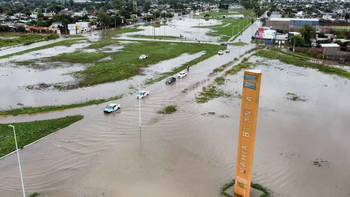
(111, 48)
(176, 27)
(105, 59)
(169, 65)
(46, 52)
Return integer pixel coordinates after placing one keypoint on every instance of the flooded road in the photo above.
(180, 154)
(18, 93)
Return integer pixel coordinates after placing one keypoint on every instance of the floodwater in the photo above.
(46, 52)
(185, 26)
(17, 92)
(182, 153)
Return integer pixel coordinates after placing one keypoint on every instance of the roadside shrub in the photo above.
(168, 110)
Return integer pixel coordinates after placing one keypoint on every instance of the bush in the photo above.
(168, 110)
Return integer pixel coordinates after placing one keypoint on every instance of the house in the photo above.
(49, 14)
(54, 27)
(34, 28)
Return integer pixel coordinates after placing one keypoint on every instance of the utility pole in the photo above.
(19, 161)
(139, 104)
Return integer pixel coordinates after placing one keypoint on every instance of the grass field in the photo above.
(28, 132)
(34, 110)
(120, 31)
(156, 37)
(230, 26)
(61, 43)
(125, 64)
(290, 58)
(79, 57)
(11, 39)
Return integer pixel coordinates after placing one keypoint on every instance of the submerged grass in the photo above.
(219, 80)
(121, 31)
(209, 93)
(34, 110)
(289, 58)
(28, 132)
(125, 64)
(34, 194)
(238, 44)
(225, 187)
(155, 37)
(61, 43)
(102, 43)
(168, 110)
(11, 39)
(79, 57)
(239, 67)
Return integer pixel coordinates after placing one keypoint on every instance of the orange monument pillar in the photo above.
(247, 130)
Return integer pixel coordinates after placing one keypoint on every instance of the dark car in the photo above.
(223, 44)
(170, 80)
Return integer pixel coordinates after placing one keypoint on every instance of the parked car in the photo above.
(111, 108)
(170, 80)
(220, 52)
(142, 94)
(182, 74)
(261, 44)
(143, 57)
(227, 50)
(223, 44)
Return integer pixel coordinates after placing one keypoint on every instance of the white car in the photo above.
(142, 94)
(227, 50)
(182, 74)
(220, 52)
(111, 108)
(143, 57)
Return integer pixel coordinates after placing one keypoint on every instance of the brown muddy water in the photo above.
(185, 26)
(14, 81)
(191, 153)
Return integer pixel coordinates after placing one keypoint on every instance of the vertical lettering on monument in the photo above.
(249, 107)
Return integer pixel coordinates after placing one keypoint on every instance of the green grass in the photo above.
(102, 43)
(23, 38)
(219, 80)
(235, 26)
(300, 61)
(238, 44)
(121, 31)
(168, 110)
(61, 43)
(79, 57)
(155, 24)
(225, 187)
(34, 110)
(76, 36)
(125, 64)
(155, 37)
(234, 70)
(34, 194)
(28, 132)
(209, 93)
(223, 67)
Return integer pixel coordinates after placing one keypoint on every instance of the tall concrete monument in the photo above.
(247, 130)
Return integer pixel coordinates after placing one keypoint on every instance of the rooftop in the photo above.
(292, 19)
(330, 45)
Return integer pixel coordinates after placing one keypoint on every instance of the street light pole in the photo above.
(139, 103)
(19, 161)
